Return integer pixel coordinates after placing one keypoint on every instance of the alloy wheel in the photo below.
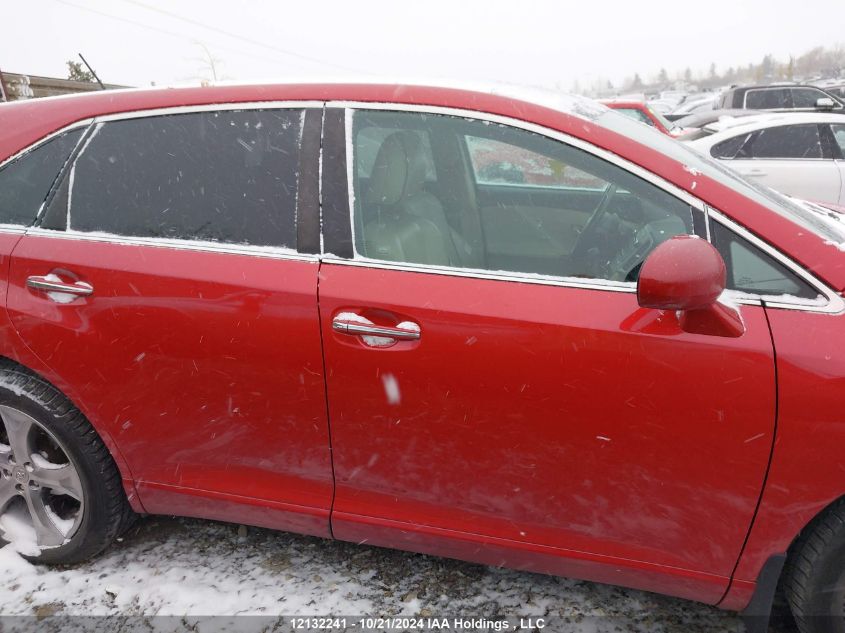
(41, 497)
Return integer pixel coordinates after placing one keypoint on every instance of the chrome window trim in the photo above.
(39, 142)
(272, 252)
(835, 304)
(210, 107)
(478, 273)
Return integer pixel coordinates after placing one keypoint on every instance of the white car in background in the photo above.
(695, 103)
(798, 154)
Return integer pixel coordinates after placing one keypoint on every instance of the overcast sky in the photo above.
(136, 42)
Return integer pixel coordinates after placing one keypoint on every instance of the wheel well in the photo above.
(819, 516)
(778, 602)
(122, 467)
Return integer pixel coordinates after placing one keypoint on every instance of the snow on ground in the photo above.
(191, 568)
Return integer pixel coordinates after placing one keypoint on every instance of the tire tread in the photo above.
(813, 547)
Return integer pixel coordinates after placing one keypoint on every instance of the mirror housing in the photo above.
(686, 274)
(825, 103)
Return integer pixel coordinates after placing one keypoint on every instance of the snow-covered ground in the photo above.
(192, 568)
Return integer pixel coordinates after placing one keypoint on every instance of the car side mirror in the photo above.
(687, 275)
(825, 103)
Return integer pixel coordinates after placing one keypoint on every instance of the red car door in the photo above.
(25, 182)
(165, 292)
(483, 407)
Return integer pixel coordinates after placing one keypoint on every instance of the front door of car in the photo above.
(791, 159)
(165, 292)
(496, 393)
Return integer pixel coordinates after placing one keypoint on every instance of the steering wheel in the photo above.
(592, 225)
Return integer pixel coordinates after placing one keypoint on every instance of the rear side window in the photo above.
(730, 148)
(228, 176)
(767, 99)
(26, 181)
(787, 141)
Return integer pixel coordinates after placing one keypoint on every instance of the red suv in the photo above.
(519, 330)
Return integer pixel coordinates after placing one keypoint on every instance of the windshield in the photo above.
(807, 216)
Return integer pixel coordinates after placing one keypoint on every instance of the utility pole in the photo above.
(91, 70)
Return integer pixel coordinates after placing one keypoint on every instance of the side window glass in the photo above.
(767, 99)
(370, 140)
(752, 270)
(839, 135)
(504, 199)
(730, 148)
(787, 141)
(636, 115)
(226, 176)
(497, 163)
(806, 97)
(26, 181)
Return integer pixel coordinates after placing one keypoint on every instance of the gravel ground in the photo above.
(191, 568)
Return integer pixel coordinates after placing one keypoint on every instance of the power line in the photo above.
(180, 36)
(237, 36)
(156, 29)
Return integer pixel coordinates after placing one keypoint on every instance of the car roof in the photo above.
(730, 124)
(697, 119)
(28, 120)
(773, 86)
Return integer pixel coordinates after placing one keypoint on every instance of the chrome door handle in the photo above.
(353, 328)
(51, 283)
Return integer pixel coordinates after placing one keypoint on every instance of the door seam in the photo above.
(753, 521)
(320, 170)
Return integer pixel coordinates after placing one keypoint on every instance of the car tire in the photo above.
(50, 455)
(815, 575)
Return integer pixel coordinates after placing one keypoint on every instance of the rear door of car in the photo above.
(25, 181)
(792, 159)
(167, 289)
(495, 392)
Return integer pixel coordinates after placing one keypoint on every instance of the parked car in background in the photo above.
(779, 97)
(835, 87)
(799, 154)
(837, 91)
(644, 113)
(695, 103)
(235, 302)
(698, 125)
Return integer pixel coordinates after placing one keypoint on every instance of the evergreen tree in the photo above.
(76, 72)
